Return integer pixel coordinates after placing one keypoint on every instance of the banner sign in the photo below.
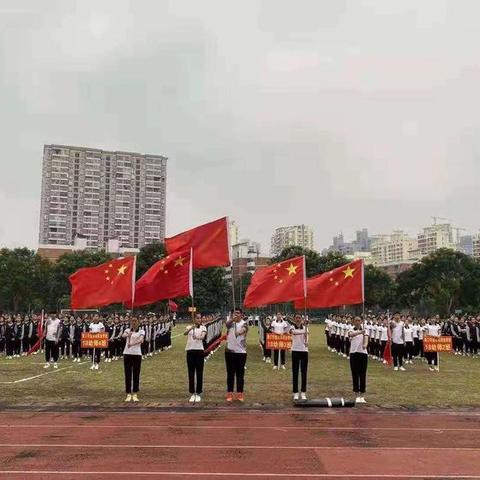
(278, 342)
(437, 344)
(94, 340)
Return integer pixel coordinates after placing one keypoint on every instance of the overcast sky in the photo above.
(338, 114)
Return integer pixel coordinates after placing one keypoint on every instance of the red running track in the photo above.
(206, 444)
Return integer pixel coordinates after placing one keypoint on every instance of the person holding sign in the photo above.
(96, 327)
(236, 354)
(299, 334)
(279, 326)
(432, 329)
(195, 357)
(132, 358)
(358, 359)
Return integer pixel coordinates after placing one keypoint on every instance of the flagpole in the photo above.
(191, 285)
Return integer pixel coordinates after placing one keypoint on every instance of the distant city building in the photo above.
(393, 249)
(102, 195)
(246, 258)
(233, 232)
(435, 237)
(465, 244)
(476, 246)
(296, 235)
(361, 243)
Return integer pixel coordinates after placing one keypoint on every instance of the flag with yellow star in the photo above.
(340, 286)
(281, 282)
(170, 277)
(110, 282)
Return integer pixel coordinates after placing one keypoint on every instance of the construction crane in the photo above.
(439, 218)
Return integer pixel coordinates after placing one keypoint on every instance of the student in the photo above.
(432, 329)
(96, 327)
(196, 334)
(132, 358)
(408, 336)
(52, 332)
(299, 334)
(236, 354)
(265, 324)
(76, 331)
(279, 326)
(397, 342)
(358, 359)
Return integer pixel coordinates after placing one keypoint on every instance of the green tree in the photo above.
(379, 288)
(440, 283)
(22, 279)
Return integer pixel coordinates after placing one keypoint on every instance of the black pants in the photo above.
(95, 352)
(383, 345)
(409, 350)
(235, 363)
(51, 351)
(282, 357)
(76, 350)
(132, 365)
(195, 364)
(17, 346)
(416, 347)
(397, 354)
(65, 348)
(9, 348)
(358, 366)
(267, 353)
(299, 362)
(432, 358)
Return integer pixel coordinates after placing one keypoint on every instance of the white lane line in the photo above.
(240, 427)
(243, 447)
(233, 474)
(41, 374)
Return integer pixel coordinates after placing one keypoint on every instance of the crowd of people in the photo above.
(137, 337)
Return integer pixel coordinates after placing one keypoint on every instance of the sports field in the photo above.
(24, 382)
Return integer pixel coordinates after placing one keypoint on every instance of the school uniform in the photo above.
(132, 361)
(96, 352)
(433, 331)
(397, 344)
(408, 337)
(17, 343)
(52, 328)
(383, 340)
(76, 339)
(9, 339)
(279, 327)
(195, 359)
(299, 357)
(358, 363)
(236, 356)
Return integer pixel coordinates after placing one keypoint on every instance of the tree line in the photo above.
(443, 282)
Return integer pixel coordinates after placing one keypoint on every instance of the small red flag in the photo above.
(282, 282)
(387, 353)
(340, 286)
(110, 282)
(209, 242)
(170, 277)
(172, 306)
(38, 343)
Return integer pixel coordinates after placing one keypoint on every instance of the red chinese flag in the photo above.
(172, 306)
(340, 286)
(111, 282)
(170, 277)
(209, 242)
(282, 282)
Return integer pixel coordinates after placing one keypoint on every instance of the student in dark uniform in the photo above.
(2, 335)
(18, 329)
(10, 333)
(76, 335)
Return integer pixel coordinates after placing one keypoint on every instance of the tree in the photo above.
(22, 279)
(379, 288)
(441, 282)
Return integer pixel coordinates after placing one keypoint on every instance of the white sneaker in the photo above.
(47, 365)
(264, 359)
(303, 396)
(96, 366)
(134, 397)
(129, 398)
(92, 367)
(295, 397)
(275, 367)
(436, 369)
(358, 400)
(402, 369)
(362, 400)
(198, 398)
(55, 365)
(395, 369)
(269, 360)
(192, 398)
(74, 360)
(283, 367)
(384, 362)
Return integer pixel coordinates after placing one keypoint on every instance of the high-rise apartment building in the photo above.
(395, 248)
(102, 195)
(297, 235)
(434, 237)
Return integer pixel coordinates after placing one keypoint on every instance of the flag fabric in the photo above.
(170, 277)
(387, 353)
(282, 282)
(110, 282)
(340, 286)
(210, 244)
(38, 343)
(172, 306)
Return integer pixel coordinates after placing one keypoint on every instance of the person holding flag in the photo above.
(132, 358)
(299, 334)
(358, 359)
(195, 357)
(279, 326)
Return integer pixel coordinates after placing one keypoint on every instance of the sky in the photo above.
(340, 114)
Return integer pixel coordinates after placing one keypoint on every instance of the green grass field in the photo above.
(164, 380)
